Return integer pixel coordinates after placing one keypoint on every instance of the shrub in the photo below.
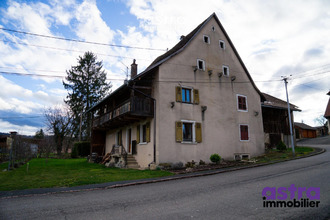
(201, 162)
(215, 158)
(83, 148)
(74, 153)
(190, 164)
(281, 146)
(177, 166)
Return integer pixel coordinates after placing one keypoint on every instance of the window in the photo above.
(225, 70)
(206, 39)
(213, 28)
(188, 131)
(143, 133)
(222, 44)
(200, 64)
(244, 132)
(186, 95)
(242, 103)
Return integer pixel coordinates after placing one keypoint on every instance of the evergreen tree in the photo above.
(39, 134)
(86, 85)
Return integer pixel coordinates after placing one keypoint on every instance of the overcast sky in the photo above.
(274, 38)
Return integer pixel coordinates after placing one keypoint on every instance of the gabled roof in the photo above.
(327, 110)
(184, 42)
(304, 126)
(273, 102)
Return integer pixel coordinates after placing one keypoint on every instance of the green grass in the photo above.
(49, 173)
(274, 155)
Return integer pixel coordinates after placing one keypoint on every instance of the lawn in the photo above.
(275, 155)
(49, 173)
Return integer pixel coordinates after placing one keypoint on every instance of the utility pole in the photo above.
(290, 122)
(11, 161)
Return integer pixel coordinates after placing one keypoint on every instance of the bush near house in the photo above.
(83, 148)
(281, 146)
(215, 158)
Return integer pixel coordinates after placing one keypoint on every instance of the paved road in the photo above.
(233, 195)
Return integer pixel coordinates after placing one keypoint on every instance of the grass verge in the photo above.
(275, 155)
(49, 173)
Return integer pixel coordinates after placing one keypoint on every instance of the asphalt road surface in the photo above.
(232, 195)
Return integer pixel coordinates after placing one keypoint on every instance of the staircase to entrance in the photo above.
(131, 162)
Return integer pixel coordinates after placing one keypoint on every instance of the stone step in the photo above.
(131, 162)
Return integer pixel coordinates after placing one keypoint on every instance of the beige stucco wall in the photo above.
(144, 154)
(220, 129)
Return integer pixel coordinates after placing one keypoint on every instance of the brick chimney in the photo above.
(133, 69)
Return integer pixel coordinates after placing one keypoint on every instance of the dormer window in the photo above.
(225, 70)
(206, 39)
(222, 44)
(201, 64)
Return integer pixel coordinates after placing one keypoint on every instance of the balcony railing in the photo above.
(134, 106)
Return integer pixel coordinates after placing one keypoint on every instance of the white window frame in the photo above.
(141, 133)
(239, 131)
(223, 70)
(208, 39)
(224, 44)
(246, 102)
(193, 132)
(198, 60)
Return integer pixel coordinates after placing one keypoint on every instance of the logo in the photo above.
(296, 197)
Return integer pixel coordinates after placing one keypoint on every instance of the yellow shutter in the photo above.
(178, 131)
(196, 96)
(178, 94)
(148, 132)
(138, 134)
(198, 130)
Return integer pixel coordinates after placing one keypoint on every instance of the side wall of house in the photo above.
(221, 121)
(144, 151)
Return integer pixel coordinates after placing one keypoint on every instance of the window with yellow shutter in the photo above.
(187, 131)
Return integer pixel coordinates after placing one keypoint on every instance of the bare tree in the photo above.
(59, 124)
(321, 120)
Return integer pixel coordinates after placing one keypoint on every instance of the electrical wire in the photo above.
(79, 41)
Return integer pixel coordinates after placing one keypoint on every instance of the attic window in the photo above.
(206, 39)
(225, 70)
(200, 64)
(213, 28)
(222, 44)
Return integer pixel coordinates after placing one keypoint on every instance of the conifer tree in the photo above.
(86, 85)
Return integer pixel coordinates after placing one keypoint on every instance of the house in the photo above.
(276, 120)
(195, 100)
(327, 113)
(304, 131)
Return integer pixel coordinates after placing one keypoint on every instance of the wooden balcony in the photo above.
(130, 111)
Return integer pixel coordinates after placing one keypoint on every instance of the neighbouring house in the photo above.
(276, 120)
(304, 131)
(195, 100)
(327, 113)
(321, 131)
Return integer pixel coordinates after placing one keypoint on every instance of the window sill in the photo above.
(143, 143)
(189, 142)
(241, 110)
(244, 140)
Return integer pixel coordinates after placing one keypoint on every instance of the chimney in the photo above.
(133, 69)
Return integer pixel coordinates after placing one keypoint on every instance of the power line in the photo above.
(70, 50)
(42, 75)
(79, 41)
